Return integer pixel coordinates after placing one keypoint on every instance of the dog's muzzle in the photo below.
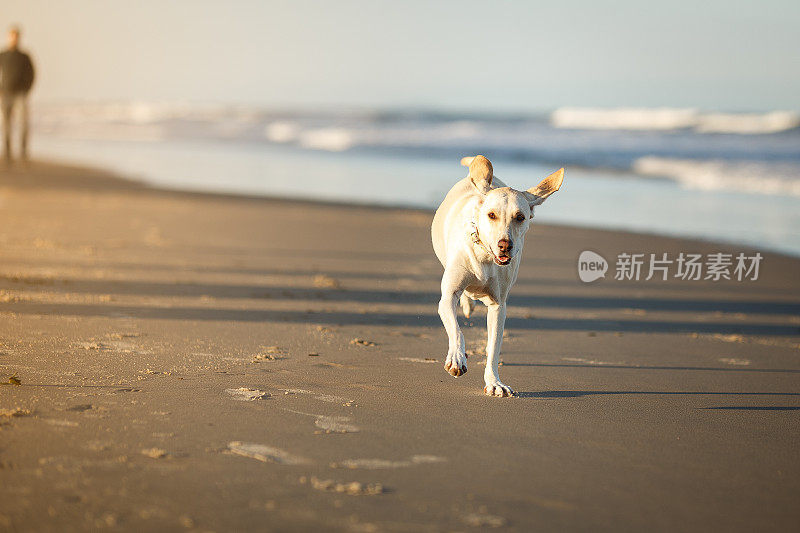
(504, 247)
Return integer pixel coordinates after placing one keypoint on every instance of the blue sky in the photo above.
(464, 55)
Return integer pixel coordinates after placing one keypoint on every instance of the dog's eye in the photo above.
(520, 217)
(492, 216)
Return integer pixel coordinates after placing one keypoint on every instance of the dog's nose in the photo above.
(504, 245)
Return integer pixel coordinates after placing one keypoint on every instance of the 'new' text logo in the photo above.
(591, 266)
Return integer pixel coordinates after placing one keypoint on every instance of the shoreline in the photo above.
(217, 362)
(143, 184)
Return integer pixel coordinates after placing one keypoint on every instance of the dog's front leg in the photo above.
(456, 362)
(495, 322)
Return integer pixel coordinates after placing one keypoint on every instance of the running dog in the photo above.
(478, 233)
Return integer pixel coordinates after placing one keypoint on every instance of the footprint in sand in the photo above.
(61, 423)
(323, 281)
(125, 389)
(331, 364)
(735, 362)
(15, 412)
(589, 361)
(266, 454)
(418, 359)
(155, 453)
(321, 397)
(330, 424)
(244, 394)
(114, 344)
(484, 520)
(353, 488)
(270, 353)
(335, 424)
(81, 408)
(362, 342)
(382, 464)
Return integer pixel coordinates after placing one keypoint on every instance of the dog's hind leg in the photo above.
(467, 304)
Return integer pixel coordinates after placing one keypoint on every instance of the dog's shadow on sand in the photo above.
(581, 393)
(561, 394)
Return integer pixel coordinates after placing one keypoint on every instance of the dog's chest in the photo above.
(492, 282)
(485, 287)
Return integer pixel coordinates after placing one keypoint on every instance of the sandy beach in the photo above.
(185, 361)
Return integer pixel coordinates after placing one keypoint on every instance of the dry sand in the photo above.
(189, 361)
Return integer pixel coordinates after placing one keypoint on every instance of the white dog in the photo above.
(478, 233)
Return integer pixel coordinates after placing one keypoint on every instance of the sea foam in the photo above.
(665, 119)
(717, 175)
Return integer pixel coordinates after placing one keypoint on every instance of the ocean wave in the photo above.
(328, 139)
(748, 123)
(717, 175)
(670, 119)
(281, 131)
(623, 118)
(667, 141)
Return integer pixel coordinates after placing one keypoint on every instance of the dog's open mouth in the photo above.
(502, 260)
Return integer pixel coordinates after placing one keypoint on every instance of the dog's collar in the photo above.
(476, 239)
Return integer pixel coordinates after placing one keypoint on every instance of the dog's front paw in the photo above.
(456, 364)
(495, 388)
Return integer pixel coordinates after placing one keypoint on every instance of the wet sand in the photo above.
(222, 363)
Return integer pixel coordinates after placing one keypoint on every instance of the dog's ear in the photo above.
(480, 172)
(549, 185)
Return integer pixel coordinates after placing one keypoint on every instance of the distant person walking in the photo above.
(16, 80)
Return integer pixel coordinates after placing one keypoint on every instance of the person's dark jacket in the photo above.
(16, 72)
